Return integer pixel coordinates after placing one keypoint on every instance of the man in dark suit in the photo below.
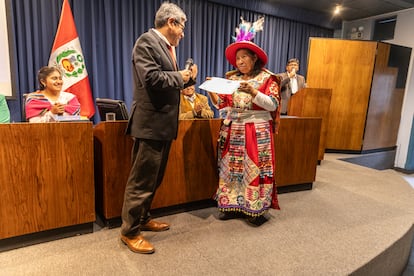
(291, 82)
(154, 121)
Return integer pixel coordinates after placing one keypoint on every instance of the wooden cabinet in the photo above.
(367, 79)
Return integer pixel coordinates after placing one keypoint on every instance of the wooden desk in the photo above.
(191, 173)
(46, 177)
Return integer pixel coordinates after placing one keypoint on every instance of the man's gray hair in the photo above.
(169, 10)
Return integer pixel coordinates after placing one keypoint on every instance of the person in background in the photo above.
(49, 102)
(153, 123)
(194, 105)
(291, 83)
(4, 110)
(246, 149)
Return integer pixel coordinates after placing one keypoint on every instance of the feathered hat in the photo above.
(244, 34)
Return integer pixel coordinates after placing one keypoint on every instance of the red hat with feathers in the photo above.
(244, 34)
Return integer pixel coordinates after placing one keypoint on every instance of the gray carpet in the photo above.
(340, 227)
(377, 160)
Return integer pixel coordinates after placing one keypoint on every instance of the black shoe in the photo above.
(230, 215)
(256, 221)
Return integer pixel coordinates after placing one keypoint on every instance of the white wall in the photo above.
(404, 36)
(5, 75)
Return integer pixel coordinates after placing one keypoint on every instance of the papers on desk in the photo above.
(71, 118)
(220, 85)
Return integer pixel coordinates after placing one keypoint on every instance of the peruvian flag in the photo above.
(67, 56)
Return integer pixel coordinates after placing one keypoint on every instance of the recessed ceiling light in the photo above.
(337, 9)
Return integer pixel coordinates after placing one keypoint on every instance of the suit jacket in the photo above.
(286, 89)
(187, 111)
(157, 85)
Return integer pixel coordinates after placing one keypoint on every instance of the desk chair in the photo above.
(24, 97)
(117, 107)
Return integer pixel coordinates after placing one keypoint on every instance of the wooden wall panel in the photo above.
(46, 177)
(368, 82)
(384, 112)
(346, 67)
(383, 54)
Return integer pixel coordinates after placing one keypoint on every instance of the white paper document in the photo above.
(220, 85)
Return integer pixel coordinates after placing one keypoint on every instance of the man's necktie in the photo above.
(170, 49)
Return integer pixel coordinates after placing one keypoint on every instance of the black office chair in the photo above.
(112, 106)
(24, 97)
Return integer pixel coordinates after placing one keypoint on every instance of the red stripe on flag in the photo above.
(66, 29)
(66, 32)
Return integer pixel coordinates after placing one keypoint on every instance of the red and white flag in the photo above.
(67, 56)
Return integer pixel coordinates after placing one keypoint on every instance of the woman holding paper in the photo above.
(246, 149)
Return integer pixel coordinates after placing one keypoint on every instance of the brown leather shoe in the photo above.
(155, 226)
(138, 244)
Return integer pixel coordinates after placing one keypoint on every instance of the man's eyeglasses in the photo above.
(179, 24)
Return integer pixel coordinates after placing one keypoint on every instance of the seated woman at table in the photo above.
(49, 102)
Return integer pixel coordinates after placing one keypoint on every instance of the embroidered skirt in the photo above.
(246, 167)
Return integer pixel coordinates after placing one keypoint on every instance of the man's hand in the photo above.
(197, 108)
(186, 75)
(292, 73)
(194, 71)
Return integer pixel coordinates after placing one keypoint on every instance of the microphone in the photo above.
(188, 64)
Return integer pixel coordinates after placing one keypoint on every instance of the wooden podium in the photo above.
(313, 102)
(296, 147)
(46, 177)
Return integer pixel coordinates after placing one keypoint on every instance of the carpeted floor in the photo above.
(348, 219)
(377, 160)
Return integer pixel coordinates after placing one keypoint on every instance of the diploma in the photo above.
(220, 85)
